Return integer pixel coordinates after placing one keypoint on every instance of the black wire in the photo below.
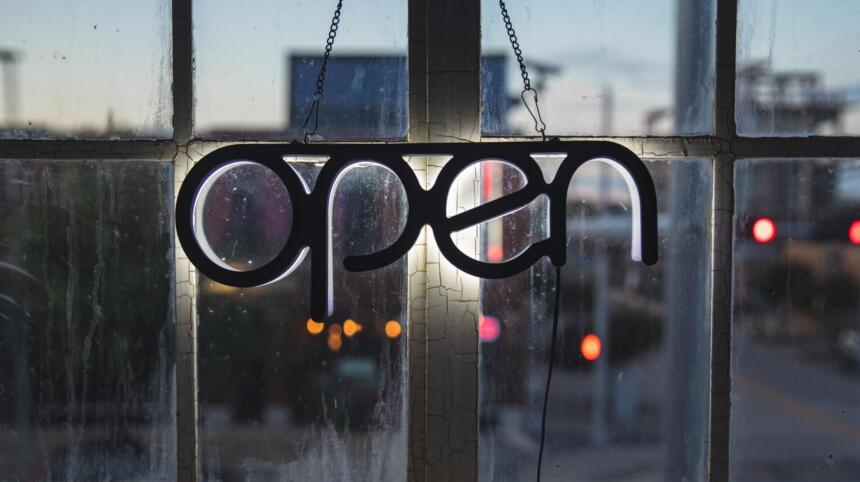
(549, 373)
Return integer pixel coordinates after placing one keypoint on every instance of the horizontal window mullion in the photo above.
(158, 150)
(704, 146)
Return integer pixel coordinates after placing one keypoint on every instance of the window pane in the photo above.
(797, 71)
(640, 409)
(85, 69)
(87, 331)
(628, 67)
(795, 335)
(283, 397)
(256, 69)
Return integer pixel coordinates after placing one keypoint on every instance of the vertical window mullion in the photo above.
(445, 106)
(185, 274)
(721, 232)
(417, 262)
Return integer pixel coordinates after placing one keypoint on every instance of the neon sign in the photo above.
(311, 232)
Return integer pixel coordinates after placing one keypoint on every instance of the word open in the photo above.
(311, 232)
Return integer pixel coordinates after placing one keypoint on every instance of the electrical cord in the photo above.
(549, 372)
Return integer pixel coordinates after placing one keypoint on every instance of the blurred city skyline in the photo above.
(114, 59)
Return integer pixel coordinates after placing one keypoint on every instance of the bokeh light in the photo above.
(591, 347)
(764, 230)
(392, 329)
(489, 329)
(351, 327)
(314, 328)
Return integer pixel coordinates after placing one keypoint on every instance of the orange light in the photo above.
(392, 329)
(334, 341)
(764, 230)
(854, 232)
(495, 253)
(590, 347)
(350, 327)
(314, 328)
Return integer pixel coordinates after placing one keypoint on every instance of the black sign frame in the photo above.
(310, 232)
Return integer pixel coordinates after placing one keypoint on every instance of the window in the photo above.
(283, 396)
(593, 72)
(87, 338)
(796, 72)
(85, 71)
(734, 358)
(794, 354)
(645, 391)
(256, 70)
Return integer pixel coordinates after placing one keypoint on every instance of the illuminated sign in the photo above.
(311, 232)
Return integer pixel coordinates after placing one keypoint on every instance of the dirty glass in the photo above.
(284, 396)
(256, 69)
(795, 330)
(86, 321)
(630, 392)
(629, 67)
(95, 69)
(797, 68)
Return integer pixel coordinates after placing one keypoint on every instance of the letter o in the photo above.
(189, 228)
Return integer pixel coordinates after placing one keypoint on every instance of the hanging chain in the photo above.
(314, 110)
(540, 126)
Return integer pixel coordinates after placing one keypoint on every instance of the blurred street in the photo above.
(799, 413)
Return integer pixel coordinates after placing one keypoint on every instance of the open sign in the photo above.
(311, 232)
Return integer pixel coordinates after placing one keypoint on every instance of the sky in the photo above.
(87, 60)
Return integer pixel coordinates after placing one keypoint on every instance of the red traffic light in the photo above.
(854, 232)
(764, 230)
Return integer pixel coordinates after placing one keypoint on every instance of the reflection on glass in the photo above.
(86, 321)
(797, 67)
(286, 397)
(629, 67)
(256, 69)
(629, 394)
(96, 69)
(795, 334)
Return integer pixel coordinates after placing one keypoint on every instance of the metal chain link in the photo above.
(314, 110)
(540, 126)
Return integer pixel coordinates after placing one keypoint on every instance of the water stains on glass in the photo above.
(285, 397)
(86, 321)
(636, 405)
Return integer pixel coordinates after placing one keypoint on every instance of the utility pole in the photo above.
(600, 384)
(8, 62)
(685, 422)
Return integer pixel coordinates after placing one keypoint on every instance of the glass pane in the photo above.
(626, 67)
(285, 397)
(797, 69)
(246, 230)
(87, 333)
(97, 69)
(256, 69)
(795, 334)
(629, 394)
